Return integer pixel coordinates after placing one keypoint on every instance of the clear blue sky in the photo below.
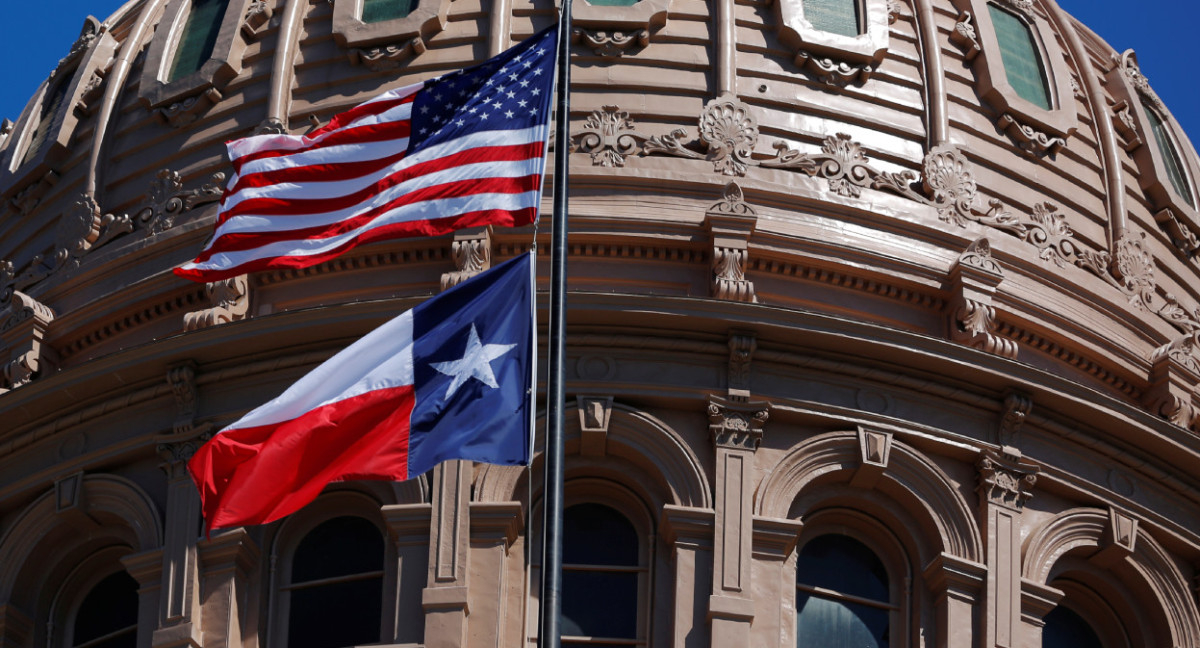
(36, 34)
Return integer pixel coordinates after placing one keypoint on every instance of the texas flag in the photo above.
(449, 379)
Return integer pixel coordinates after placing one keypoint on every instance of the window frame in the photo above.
(1015, 113)
(295, 528)
(171, 100)
(1132, 91)
(809, 44)
(91, 54)
(426, 19)
(76, 587)
(881, 541)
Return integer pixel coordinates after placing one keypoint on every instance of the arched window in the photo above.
(843, 596)
(1170, 155)
(198, 38)
(1023, 66)
(374, 11)
(1064, 628)
(107, 616)
(834, 16)
(45, 121)
(336, 574)
(602, 577)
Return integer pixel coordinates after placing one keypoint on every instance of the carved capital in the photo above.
(472, 252)
(608, 137)
(176, 454)
(737, 425)
(1005, 480)
(230, 303)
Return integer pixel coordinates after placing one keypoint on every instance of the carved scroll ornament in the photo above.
(230, 302)
(728, 131)
(608, 136)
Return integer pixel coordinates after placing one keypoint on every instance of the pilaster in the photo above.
(688, 532)
(956, 585)
(494, 529)
(1005, 484)
(226, 562)
(409, 530)
(445, 596)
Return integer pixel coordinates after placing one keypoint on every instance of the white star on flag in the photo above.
(476, 362)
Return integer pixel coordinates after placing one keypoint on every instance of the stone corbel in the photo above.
(472, 252)
(730, 224)
(1174, 374)
(611, 43)
(185, 111)
(1016, 408)
(1126, 125)
(387, 57)
(1181, 235)
(595, 412)
(875, 448)
(230, 299)
(1028, 138)
(23, 325)
(1119, 540)
(973, 281)
(964, 36)
(741, 352)
(258, 14)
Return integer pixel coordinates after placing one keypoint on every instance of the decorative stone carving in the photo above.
(23, 324)
(1028, 138)
(741, 351)
(1006, 480)
(185, 111)
(28, 198)
(230, 302)
(1126, 125)
(1016, 408)
(608, 137)
(595, 412)
(1119, 540)
(1025, 7)
(1127, 63)
(258, 14)
(609, 43)
(182, 379)
(89, 93)
(1182, 236)
(387, 57)
(727, 129)
(973, 281)
(737, 425)
(875, 448)
(77, 230)
(472, 252)
(836, 59)
(832, 71)
(730, 223)
(964, 36)
(841, 162)
(271, 126)
(167, 200)
(1174, 373)
(895, 10)
(88, 34)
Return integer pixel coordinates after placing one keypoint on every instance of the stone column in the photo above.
(956, 585)
(147, 569)
(689, 534)
(736, 427)
(226, 562)
(409, 531)
(1004, 487)
(445, 595)
(494, 529)
(774, 543)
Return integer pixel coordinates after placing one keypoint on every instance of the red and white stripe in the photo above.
(295, 201)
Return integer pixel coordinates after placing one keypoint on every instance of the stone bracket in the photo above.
(741, 352)
(731, 222)
(1174, 375)
(230, 299)
(973, 280)
(472, 252)
(23, 326)
(1016, 408)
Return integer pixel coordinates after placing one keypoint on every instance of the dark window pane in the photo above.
(1170, 157)
(338, 547)
(842, 564)
(825, 623)
(594, 534)
(600, 604)
(1023, 65)
(199, 37)
(835, 16)
(612, 3)
(45, 120)
(1066, 629)
(337, 614)
(380, 10)
(112, 605)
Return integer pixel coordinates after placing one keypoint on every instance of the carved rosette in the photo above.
(948, 179)
(1005, 480)
(611, 43)
(387, 57)
(608, 137)
(728, 130)
(230, 302)
(1133, 266)
(737, 425)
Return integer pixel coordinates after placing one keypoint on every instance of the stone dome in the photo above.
(937, 258)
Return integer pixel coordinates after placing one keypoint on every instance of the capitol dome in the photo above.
(882, 331)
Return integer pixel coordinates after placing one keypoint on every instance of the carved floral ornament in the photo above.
(83, 228)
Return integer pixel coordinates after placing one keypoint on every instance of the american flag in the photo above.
(462, 150)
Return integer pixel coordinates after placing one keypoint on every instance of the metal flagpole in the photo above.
(550, 613)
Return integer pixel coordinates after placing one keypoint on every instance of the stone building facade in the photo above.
(882, 328)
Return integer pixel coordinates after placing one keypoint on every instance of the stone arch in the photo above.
(909, 476)
(1148, 569)
(632, 435)
(64, 525)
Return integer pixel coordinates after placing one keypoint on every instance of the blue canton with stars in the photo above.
(509, 92)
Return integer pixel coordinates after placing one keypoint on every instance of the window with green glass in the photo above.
(834, 16)
(1170, 157)
(1023, 65)
(374, 11)
(45, 121)
(198, 38)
